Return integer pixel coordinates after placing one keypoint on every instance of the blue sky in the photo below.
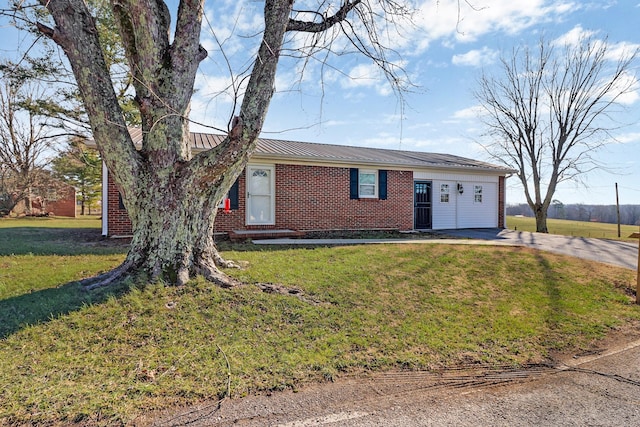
(444, 52)
(444, 55)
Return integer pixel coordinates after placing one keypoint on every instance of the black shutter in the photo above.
(120, 202)
(353, 183)
(382, 182)
(234, 195)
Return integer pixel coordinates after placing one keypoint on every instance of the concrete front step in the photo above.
(239, 235)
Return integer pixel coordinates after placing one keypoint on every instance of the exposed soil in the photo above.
(413, 398)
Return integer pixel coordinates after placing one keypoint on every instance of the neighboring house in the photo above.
(305, 187)
(62, 204)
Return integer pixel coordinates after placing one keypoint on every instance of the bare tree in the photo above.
(170, 194)
(24, 142)
(550, 111)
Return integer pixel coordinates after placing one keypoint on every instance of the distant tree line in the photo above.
(629, 214)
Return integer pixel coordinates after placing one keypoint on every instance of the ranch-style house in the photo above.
(297, 187)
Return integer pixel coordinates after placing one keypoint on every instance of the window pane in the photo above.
(367, 190)
(260, 209)
(367, 183)
(367, 178)
(477, 193)
(260, 182)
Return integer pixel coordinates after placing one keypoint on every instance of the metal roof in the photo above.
(343, 154)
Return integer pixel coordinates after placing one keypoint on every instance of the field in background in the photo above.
(575, 228)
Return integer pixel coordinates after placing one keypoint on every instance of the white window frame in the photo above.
(375, 183)
(477, 194)
(445, 190)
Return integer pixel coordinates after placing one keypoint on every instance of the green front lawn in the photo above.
(106, 356)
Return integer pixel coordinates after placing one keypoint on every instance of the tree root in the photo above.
(223, 263)
(118, 274)
(214, 275)
(274, 288)
(208, 268)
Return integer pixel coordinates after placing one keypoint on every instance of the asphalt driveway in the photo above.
(622, 254)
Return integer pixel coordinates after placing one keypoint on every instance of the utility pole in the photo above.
(637, 236)
(618, 209)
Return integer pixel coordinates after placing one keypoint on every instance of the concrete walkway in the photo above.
(621, 254)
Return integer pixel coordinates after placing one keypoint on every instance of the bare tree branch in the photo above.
(551, 110)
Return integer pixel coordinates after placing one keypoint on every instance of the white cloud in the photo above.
(615, 51)
(367, 76)
(476, 57)
(628, 138)
(468, 113)
(574, 36)
(629, 88)
(458, 146)
(460, 21)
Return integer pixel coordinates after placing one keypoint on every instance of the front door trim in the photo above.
(261, 198)
(422, 205)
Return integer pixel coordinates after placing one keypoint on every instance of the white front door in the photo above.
(260, 195)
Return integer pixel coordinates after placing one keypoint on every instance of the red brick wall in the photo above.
(310, 198)
(66, 205)
(118, 223)
(317, 198)
(501, 200)
(234, 219)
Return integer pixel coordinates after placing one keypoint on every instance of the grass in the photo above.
(105, 357)
(565, 227)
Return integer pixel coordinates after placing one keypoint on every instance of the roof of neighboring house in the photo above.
(343, 154)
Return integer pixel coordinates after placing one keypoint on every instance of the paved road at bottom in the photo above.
(597, 390)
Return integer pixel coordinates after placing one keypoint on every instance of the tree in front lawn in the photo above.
(170, 194)
(551, 110)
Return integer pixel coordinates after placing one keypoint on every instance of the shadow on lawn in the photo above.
(43, 305)
(57, 241)
(48, 304)
(556, 310)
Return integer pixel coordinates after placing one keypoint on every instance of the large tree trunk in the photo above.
(541, 219)
(170, 195)
(173, 239)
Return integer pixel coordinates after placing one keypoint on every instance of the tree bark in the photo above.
(541, 219)
(170, 197)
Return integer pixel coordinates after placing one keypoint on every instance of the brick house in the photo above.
(63, 204)
(303, 187)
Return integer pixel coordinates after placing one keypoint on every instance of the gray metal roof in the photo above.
(343, 154)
